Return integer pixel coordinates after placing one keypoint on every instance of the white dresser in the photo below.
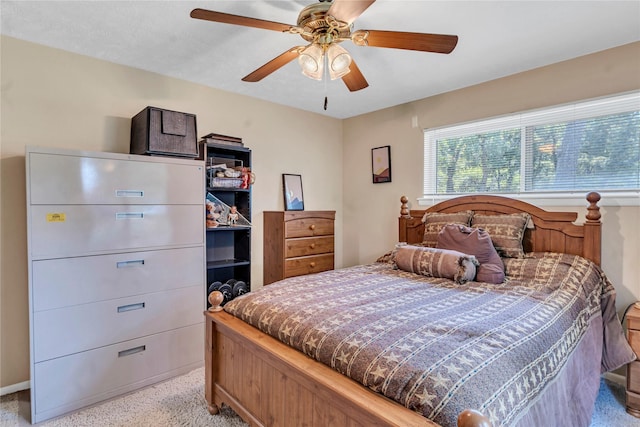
(116, 274)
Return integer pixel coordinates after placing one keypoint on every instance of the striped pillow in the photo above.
(434, 262)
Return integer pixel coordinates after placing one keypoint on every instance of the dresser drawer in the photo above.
(77, 380)
(308, 227)
(91, 229)
(308, 246)
(308, 265)
(72, 281)
(114, 179)
(83, 327)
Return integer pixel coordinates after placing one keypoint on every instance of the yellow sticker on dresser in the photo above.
(56, 217)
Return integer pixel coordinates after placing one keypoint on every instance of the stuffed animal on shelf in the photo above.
(212, 215)
(248, 178)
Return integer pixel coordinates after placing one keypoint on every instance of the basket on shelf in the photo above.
(224, 173)
(225, 182)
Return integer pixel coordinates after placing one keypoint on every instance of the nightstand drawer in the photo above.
(634, 340)
(308, 227)
(309, 246)
(633, 368)
(308, 265)
(633, 377)
(633, 322)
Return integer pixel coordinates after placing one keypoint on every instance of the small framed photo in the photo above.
(292, 187)
(381, 164)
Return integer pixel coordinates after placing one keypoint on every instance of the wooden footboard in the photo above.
(270, 384)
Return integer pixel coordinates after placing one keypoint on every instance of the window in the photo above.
(591, 145)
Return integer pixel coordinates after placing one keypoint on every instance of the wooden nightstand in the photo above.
(633, 368)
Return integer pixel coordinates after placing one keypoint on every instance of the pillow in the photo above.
(506, 231)
(476, 242)
(437, 263)
(434, 221)
(390, 257)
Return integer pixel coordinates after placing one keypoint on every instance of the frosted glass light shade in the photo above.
(311, 61)
(339, 61)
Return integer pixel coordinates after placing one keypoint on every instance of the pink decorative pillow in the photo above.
(434, 221)
(436, 263)
(477, 242)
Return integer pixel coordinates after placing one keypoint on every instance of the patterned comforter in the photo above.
(437, 347)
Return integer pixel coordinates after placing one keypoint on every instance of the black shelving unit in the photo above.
(229, 247)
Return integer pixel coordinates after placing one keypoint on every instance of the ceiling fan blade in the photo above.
(438, 43)
(348, 10)
(354, 79)
(226, 18)
(273, 65)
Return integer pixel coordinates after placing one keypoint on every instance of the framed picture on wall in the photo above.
(292, 187)
(381, 164)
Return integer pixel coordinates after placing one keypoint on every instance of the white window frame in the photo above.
(612, 105)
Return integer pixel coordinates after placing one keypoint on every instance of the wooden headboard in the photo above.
(552, 231)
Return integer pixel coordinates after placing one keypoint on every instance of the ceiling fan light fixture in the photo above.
(311, 61)
(324, 25)
(339, 61)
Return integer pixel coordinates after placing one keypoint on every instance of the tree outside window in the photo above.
(597, 147)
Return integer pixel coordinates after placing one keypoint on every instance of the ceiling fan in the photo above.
(324, 25)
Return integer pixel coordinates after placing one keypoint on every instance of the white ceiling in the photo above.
(496, 39)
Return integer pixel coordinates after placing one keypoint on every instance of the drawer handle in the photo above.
(131, 351)
(130, 307)
(130, 215)
(312, 227)
(312, 246)
(312, 264)
(129, 193)
(132, 263)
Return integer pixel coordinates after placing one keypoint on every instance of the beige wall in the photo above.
(368, 207)
(54, 98)
(58, 99)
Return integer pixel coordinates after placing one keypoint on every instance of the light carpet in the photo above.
(176, 402)
(180, 402)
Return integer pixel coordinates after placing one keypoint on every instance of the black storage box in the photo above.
(155, 131)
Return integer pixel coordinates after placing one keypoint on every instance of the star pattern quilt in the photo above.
(438, 347)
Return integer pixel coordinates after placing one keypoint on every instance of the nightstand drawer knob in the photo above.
(312, 264)
(312, 246)
(312, 227)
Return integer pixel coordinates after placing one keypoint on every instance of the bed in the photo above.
(425, 350)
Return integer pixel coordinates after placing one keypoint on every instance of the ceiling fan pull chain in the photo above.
(325, 78)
